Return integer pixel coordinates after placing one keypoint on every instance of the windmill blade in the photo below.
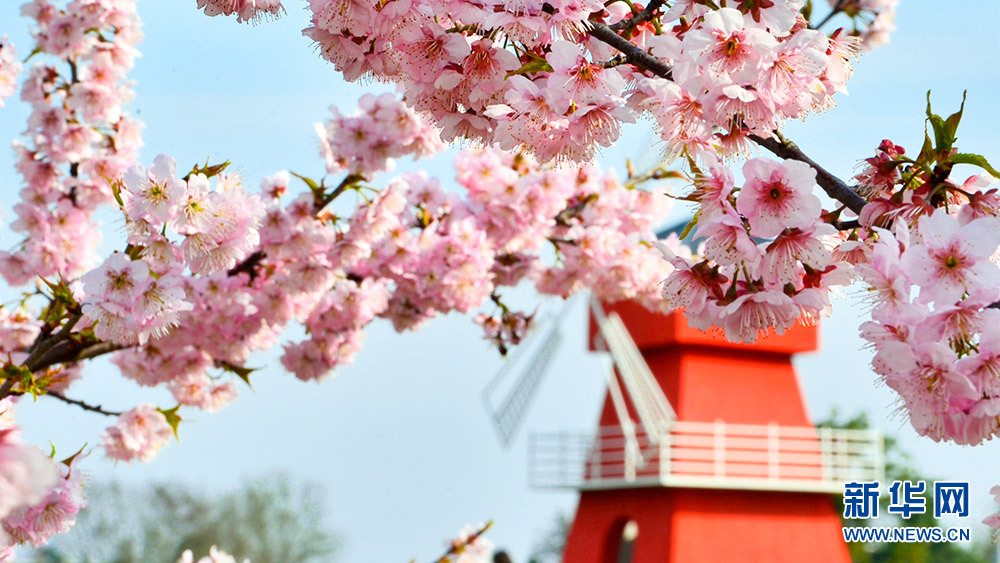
(508, 418)
(651, 405)
(520, 376)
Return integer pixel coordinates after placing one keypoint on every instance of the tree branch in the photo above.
(837, 8)
(39, 349)
(248, 265)
(5, 388)
(633, 54)
(87, 407)
(644, 16)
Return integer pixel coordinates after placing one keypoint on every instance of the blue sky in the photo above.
(400, 440)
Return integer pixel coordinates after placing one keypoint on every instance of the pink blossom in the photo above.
(778, 195)
(752, 314)
(154, 195)
(10, 67)
(953, 259)
(245, 10)
(55, 513)
(726, 44)
(138, 434)
(26, 475)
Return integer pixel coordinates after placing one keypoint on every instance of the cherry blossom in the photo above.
(26, 476)
(777, 196)
(9, 69)
(138, 434)
(212, 270)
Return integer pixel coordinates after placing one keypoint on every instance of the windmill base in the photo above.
(694, 525)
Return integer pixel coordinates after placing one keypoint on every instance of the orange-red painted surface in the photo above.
(707, 378)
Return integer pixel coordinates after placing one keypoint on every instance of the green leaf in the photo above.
(309, 181)
(938, 125)
(975, 160)
(208, 170)
(691, 225)
(927, 154)
(951, 124)
(241, 372)
(116, 190)
(173, 419)
(316, 189)
(534, 65)
(69, 460)
(945, 129)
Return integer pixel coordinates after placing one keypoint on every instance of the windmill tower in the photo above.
(704, 450)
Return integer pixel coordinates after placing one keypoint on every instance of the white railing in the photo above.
(709, 455)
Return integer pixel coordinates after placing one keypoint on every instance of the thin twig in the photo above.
(346, 183)
(837, 8)
(87, 407)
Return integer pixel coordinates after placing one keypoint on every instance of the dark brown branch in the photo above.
(614, 61)
(346, 183)
(5, 388)
(69, 351)
(644, 16)
(832, 185)
(40, 349)
(85, 406)
(633, 54)
(95, 350)
(248, 265)
(845, 225)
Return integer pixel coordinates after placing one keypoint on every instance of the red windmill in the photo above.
(704, 451)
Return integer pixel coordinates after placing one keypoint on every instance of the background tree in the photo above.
(269, 520)
(899, 466)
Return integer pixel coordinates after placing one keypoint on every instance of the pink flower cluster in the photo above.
(134, 297)
(876, 19)
(530, 76)
(936, 345)
(138, 434)
(409, 253)
(416, 251)
(367, 142)
(244, 10)
(54, 514)
(737, 74)
(766, 259)
(218, 225)
(9, 69)
(127, 305)
(78, 136)
(27, 476)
